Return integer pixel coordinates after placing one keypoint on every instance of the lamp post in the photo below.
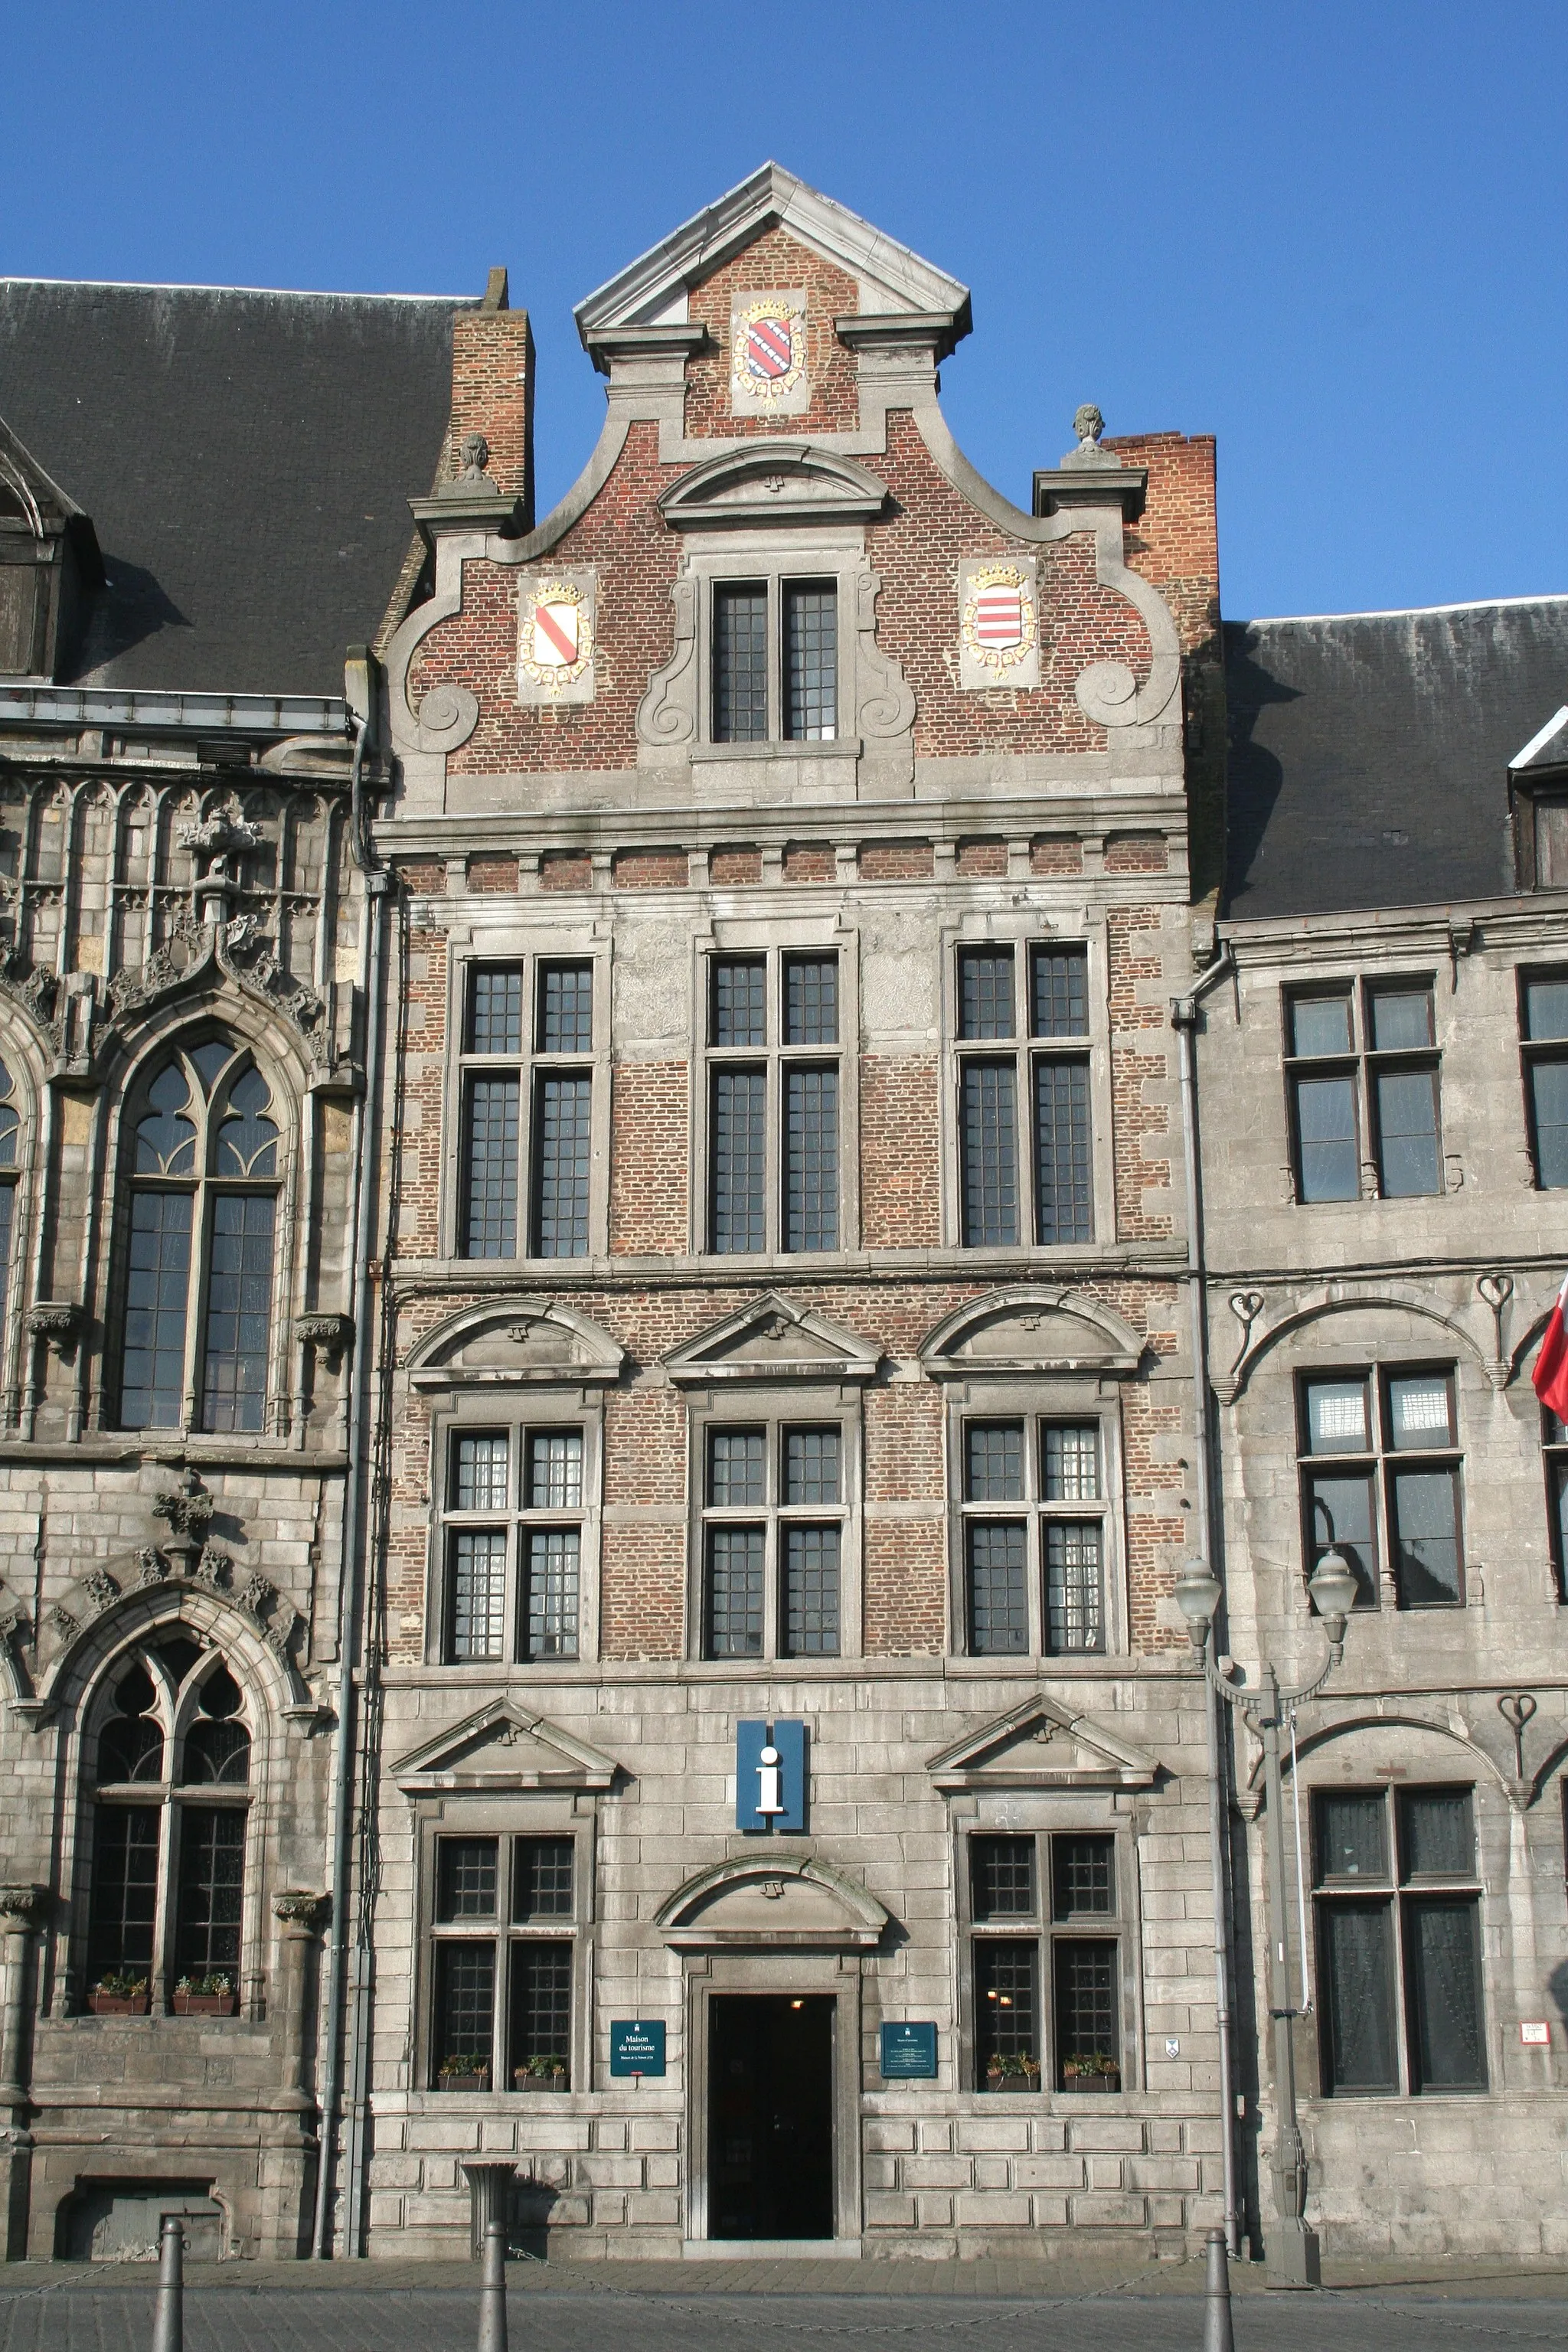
(1292, 2248)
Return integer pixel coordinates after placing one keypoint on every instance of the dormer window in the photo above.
(775, 661)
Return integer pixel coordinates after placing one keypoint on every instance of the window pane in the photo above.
(212, 1868)
(240, 1312)
(811, 1000)
(1407, 1132)
(542, 2003)
(1557, 1493)
(1082, 1877)
(998, 1601)
(985, 993)
(990, 1176)
(740, 664)
(495, 1011)
(1425, 1505)
(1420, 1412)
(1443, 1963)
(555, 1470)
(1340, 1518)
(541, 1878)
(1330, 1165)
(1355, 1958)
(994, 1460)
(739, 1218)
(480, 1472)
(735, 1610)
(1065, 1208)
(130, 1744)
(465, 2004)
(1059, 998)
(165, 1138)
(465, 1878)
(1436, 1833)
(7, 1222)
(1075, 1617)
(490, 1166)
(810, 1593)
(566, 1008)
(1002, 1877)
(811, 661)
(549, 1604)
(811, 1466)
(1336, 1417)
(737, 1466)
(1549, 1117)
(1089, 2042)
(1321, 1024)
(740, 1001)
(1006, 2003)
(1352, 1836)
(561, 1126)
(248, 1139)
(1401, 1018)
(811, 1159)
(1071, 1462)
(157, 1276)
(478, 1628)
(1546, 1008)
(125, 1889)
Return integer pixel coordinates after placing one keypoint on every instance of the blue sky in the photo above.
(1331, 235)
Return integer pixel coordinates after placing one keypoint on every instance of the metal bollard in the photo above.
(168, 2312)
(1218, 2336)
(492, 2292)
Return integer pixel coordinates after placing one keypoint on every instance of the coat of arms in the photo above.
(767, 360)
(556, 637)
(997, 619)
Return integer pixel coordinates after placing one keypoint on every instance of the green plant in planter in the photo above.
(205, 1986)
(1092, 2063)
(121, 1985)
(465, 2063)
(1013, 2064)
(543, 2067)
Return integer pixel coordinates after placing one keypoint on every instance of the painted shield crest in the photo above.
(556, 636)
(768, 356)
(997, 620)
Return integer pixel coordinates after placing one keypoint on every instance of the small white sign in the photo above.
(1173, 2047)
(1535, 2032)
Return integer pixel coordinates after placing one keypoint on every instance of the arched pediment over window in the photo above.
(521, 1343)
(773, 482)
(1042, 1330)
(783, 1902)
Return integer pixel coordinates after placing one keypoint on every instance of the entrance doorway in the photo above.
(770, 2134)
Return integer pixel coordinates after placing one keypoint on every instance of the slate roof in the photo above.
(245, 457)
(1369, 752)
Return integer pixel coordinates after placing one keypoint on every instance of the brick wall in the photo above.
(648, 1147)
(642, 1607)
(1139, 1071)
(419, 1112)
(492, 393)
(901, 1176)
(775, 261)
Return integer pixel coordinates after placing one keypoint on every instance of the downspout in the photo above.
(351, 1593)
(1185, 1018)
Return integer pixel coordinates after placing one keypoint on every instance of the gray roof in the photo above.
(245, 459)
(1369, 752)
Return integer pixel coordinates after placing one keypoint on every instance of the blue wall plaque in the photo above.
(908, 2053)
(636, 2046)
(770, 1775)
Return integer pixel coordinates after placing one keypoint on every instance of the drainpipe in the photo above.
(1185, 1018)
(351, 1594)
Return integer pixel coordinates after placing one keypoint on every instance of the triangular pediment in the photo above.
(30, 499)
(892, 280)
(504, 1746)
(1040, 1745)
(1041, 1329)
(514, 1344)
(772, 1338)
(779, 1901)
(777, 482)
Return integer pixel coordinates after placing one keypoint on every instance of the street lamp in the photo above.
(1292, 2248)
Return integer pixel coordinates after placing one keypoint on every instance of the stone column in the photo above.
(23, 1911)
(300, 1913)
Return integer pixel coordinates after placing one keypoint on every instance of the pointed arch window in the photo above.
(169, 1756)
(206, 1171)
(10, 1158)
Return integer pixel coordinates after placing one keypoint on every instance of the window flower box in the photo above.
(121, 1997)
(533, 2078)
(1012, 2074)
(1090, 2074)
(460, 2074)
(205, 2004)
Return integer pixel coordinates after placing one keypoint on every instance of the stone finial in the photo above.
(1088, 425)
(476, 453)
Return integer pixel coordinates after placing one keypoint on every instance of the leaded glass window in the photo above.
(526, 1152)
(774, 661)
(771, 1539)
(507, 1913)
(514, 1510)
(1025, 1141)
(1380, 1481)
(1363, 1055)
(1035, 1580)
(776, 1172)
(1070, 2039)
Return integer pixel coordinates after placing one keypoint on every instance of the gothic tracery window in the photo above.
(10, 1155)
(204, 1178)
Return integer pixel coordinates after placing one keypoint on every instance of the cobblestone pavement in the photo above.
(903, 2307)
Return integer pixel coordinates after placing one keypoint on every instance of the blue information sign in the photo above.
(770, 1775)
(908, 2053)
(636, 2046)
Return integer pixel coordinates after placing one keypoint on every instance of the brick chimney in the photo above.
(492, 390)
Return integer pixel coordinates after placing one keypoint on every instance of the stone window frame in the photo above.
(20, 1177)
(1022, 930)
(1042, 1818)
(517, 1411)
(762, 556)
(1376, 1459)
(1039, 1397)
(776, 940)
(1533, 1052)
(1363, 1063)
(776, 1404)
(528, 946)
(550, 1814)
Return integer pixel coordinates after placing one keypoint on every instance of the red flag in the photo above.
(1552, 1361)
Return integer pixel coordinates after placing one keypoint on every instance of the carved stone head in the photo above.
(476, 457)
(1088, 425)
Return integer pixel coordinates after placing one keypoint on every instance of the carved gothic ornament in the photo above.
(220, 835)
(57, 1320)
(197, 955)
(331, 1336)
(301, 1907)
(24, 1908)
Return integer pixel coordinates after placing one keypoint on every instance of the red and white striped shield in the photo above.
(770, 348)
(555, 637)
(998, 617)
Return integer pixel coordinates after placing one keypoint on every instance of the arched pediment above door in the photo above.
(786, 1902)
